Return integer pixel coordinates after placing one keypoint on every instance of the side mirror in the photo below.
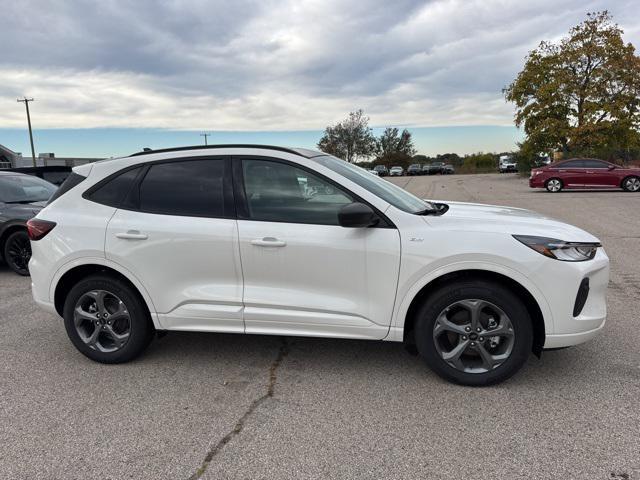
(356, 215)
(612, 167)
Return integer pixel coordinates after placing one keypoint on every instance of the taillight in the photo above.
(38, 229)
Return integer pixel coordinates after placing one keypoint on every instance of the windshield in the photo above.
(387, 191)
(24, 189)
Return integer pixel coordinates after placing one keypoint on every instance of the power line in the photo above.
(26, 101)
(205, 135)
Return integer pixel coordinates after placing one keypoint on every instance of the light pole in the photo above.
(205, 135)
(26, 101)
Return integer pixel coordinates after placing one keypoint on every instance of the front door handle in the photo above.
(268, 242)
(132, 235)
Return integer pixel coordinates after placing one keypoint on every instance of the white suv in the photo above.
(268, 240)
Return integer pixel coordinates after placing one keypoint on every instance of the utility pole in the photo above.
(205, 135)
(26, 101)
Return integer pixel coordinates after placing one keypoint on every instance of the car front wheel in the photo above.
(554, 185)
(474, 334)
(106, 320)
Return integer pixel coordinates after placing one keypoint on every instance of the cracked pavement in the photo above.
(217, 406)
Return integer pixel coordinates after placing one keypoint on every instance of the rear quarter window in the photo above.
(71, 181)
(115, 189)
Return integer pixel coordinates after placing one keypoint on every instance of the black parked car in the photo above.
(433, 168)
(21, 198)
(382, 170)
(415, 169)
(55, 174)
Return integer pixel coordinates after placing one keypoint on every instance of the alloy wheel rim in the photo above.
(102, 321)
(19, 251)
(473, 336)
(633, 184)
(554, 185)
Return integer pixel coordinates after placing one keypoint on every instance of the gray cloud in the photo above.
(274, 64)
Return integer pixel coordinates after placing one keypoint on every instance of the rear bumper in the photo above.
(45, 305)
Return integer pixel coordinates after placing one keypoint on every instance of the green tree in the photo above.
(395, 144)
(582, 94)
(350, 139)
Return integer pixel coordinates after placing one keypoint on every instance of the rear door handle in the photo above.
(268, 242)
(132, 235)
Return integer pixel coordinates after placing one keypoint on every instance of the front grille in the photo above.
(581, 298)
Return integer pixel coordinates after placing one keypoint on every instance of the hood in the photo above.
(476, 217)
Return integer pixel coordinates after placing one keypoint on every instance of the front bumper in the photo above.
(570, 339)
(536, 182)
(561, 289)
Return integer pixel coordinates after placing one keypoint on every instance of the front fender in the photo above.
(407, 292)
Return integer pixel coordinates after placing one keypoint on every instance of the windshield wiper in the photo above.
(23, 201)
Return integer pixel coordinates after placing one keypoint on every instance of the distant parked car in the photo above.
(21, 198)
(396, 171)
(382, 170)
(52, 174)
(448, 169)
(434, 168)
(507, 164)
(585, 173)
(415, 169)
(373, 172)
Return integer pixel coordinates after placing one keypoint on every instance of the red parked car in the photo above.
(585, 173)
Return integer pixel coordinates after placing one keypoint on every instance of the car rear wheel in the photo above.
(554, 185)
(474, 334)
(631, 184)
(17, 252)
(106, 320)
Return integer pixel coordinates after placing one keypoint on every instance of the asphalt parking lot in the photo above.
(231, 406)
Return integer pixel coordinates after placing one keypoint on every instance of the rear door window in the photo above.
(193, 188)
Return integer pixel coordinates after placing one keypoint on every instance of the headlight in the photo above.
(560, 250)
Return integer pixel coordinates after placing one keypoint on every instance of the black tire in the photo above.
(496, 294)
(140, 325)
(17, 252)
(631, 184)
(550, 185)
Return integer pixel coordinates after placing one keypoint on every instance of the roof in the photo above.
(303, 152)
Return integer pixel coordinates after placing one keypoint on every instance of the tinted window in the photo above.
(71, 181)
(57, 178)
(595, 164)
(572, 164)
(115, 190)
(192, 188)
(24, 189)
(278, 192)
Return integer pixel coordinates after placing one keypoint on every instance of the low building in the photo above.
(11, 159)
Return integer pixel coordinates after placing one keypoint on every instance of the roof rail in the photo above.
(148, 151)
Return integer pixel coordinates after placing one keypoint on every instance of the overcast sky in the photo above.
(273, 65)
